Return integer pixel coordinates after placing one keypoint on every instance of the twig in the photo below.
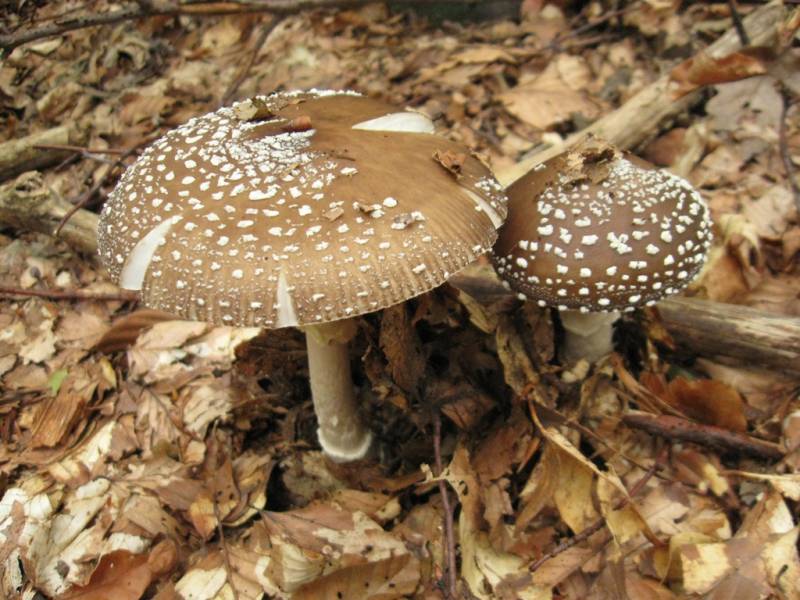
(737, 23)
(122, 295)
(145, 10)
(225, 555)
(84, 198)
(555, 44)
(80, 149)
(450, 547)
(601, 522)
(710, 436)
(783, 143)
(262, 38)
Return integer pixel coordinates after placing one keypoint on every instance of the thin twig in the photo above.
(84, 198)
(79, 149)
(121, 296)
(601, 522)
(709, 436)
(145, 10)
(450, 546)
(738, 24)
(262, 38)
(783, 143)
(225, 555)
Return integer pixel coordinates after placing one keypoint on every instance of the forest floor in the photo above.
(147, 457)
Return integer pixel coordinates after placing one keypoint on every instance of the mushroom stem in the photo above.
(341, 431)
(588, 334)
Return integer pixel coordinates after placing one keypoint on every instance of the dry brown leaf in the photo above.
(554, 95)
(704, 400)
(393, 577)
(703, 69)
(402, 349)
(119, 575)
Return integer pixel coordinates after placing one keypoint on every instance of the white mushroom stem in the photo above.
(588, 334)
(341, 431)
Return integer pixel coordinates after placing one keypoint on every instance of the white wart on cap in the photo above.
(594, 230)
(297, 208)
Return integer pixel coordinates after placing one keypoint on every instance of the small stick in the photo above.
(80, 149)
(675, 428)
(262, 38)
(84, 198)
(121, 296)
(601, 522)
(224, 545)
(783, 143)
(450, 548)
(737, 23)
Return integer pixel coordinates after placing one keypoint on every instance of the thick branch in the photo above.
(24, 154)
(27, 203)
(745, 335)
(748, 335)
(641, 116)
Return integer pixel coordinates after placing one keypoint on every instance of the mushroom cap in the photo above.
(594, 230)
(297, 208)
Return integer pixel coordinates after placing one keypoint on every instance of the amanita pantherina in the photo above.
(300, 209)
(593, 232)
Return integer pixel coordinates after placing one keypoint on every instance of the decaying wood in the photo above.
(723, 440)
(23, 154)
(713, 329)
(639, 118)
(748, 335)
(27, 203)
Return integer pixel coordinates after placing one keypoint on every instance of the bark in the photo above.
(740, 334)
(27, 203)
(18, 156)
(640, 118)
(749, 336)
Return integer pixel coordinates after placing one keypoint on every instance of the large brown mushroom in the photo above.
(300, 209)
(593, 232)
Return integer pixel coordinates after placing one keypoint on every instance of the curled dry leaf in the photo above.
(705, 400)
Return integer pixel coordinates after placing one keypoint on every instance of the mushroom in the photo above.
(593, 232)
(300, 209)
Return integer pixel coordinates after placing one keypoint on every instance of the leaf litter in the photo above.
(143, 457)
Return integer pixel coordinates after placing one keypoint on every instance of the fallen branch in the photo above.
(27, 203)
(35, 151)
(723, 440)
(749, 336)
(746, 335)
(640, 117)
(146, 10)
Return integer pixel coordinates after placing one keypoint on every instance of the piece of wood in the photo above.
(723, 440)
(712, 329)
(639, 118)
(20, 155)
(749, 336)
(26, 203)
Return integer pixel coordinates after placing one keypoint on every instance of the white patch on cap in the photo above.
(411, 122)
(286, 317)
(139, 259)
(483, 205)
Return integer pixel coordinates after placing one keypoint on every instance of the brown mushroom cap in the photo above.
(594, 230)
(271, 223)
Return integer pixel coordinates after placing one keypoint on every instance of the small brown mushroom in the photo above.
(247, 222)
(592, 233)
